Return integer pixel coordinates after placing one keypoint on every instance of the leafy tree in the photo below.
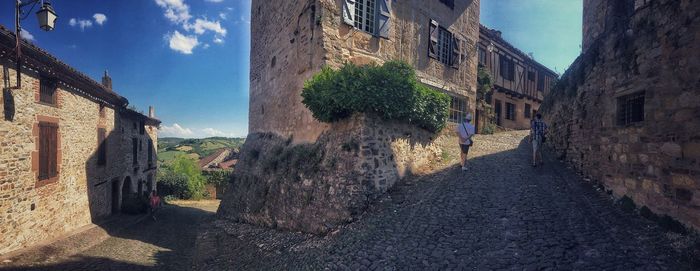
(182, 178)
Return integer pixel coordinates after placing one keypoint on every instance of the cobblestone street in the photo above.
(164, 244)
(502, 214)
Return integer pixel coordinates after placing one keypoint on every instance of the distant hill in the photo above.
(169, 147)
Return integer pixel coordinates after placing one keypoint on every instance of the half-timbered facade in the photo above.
(70, 150)
(520, 82)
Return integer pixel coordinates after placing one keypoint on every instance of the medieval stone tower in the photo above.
(292, 40)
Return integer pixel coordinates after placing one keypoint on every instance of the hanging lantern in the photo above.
(47, 17)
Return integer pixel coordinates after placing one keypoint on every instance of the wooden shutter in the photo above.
(349, 12)
(433, 34)
(102, 146)
(384, 18)
(456, 56)
(48, 150)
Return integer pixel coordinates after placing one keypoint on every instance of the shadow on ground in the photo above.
(164, 244)
(502, 213)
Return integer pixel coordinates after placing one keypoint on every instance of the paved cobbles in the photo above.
(502, 214)
(164, 244)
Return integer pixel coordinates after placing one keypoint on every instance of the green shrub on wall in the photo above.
(390, 91)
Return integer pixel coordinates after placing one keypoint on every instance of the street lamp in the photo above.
(47, 20)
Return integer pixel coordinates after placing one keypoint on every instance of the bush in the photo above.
(489, 129)
(390, 91)
(182, 179)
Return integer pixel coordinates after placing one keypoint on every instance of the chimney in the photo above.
(151, 112)
(498, 33)
(107, 81)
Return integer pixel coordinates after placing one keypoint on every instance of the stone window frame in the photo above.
(102, 149)
(35, 153)
(56, 93)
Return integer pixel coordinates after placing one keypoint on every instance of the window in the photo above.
(150, 152)
(482, 56)
(510, 111)
(444, 45)
(101, 146)
(449, 3)
(142, 127)
(48, 150)
(528, 110)
(444, 38)
(507, 68)
(364, 15)
(540, 81)
(630, 109)
(47, 91)
(102, 111)
(531, 75)
(458, 108)
(135, 151)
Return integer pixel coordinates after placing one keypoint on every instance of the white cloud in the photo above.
(178, 12)
(175, 131)
(205, 46)
(202, 25)
(80, 22)
(100, 18)
(175, 10)
(26, 35)
(182, 43)
(215, 132)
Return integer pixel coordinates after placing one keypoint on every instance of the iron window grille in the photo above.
(630, 109)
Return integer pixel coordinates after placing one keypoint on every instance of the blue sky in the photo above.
(190, 58)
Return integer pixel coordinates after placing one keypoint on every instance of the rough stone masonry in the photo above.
(627, 112)
(297, 173)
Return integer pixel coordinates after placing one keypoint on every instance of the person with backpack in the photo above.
(465, 131)
(538, 129)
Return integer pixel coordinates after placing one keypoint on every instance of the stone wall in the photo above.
(648, 47)
(520, 122)
(292, 40)
(32, 211)
(315, 186)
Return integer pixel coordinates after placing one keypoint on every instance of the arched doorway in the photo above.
(126, 187)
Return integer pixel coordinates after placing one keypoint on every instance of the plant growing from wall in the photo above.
(484, 93)
(390, 91)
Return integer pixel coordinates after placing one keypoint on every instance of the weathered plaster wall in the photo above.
(315, 187)
(520, 122)
(30, 211)
(656, 162)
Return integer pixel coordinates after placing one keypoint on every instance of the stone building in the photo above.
(520, 82)
(626, 112)
(292, 40)
(70, 150)
(297, 173)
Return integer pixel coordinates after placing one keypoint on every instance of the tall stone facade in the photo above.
(626, 112)
(520, 83)
(86, 186)
(299, 174)
(292, 40)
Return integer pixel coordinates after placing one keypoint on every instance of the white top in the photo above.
(462, 131)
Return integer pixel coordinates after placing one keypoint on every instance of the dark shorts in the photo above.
(464, 148)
